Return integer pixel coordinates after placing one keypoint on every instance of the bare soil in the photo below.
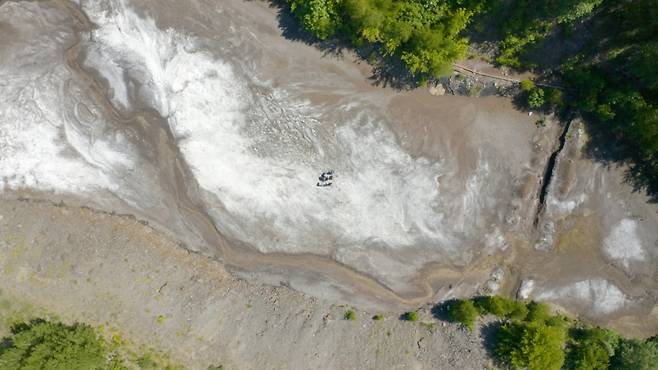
(112, 270)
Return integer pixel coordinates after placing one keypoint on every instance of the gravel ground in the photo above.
(83, 264)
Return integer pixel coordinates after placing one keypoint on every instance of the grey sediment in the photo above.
(177, 177)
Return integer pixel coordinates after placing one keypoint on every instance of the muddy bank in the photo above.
(200, 118)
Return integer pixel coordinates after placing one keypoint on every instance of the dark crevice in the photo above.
(550, 170)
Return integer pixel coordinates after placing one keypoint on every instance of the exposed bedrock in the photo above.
(199, 117)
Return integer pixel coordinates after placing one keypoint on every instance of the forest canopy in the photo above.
(426, 35)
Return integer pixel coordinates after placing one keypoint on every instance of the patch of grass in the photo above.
(14, 310)
(146, 363)
(350, 315)
(410, 316)
(161, 319)
(428, 325)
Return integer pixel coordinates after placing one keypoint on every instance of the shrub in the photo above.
(378, 317)
(554, 97)
(591, 348)
(464, 312)
(502, 307)
(410, 316)
(637, 355)
(44, 345)
(533, 345)
(517, 310)
(538, 312)
(426, 36)
(319, 17)
(536, 97)
(350, 315)
(527, 85)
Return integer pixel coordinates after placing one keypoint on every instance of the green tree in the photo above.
(533, 345)
(410, 316)
(502, 307)
(319, 17)
(637, 355)
(539, 312)
(464, 312)
(424, 34)
(44, 345)
(527, 85)
(554, 97)
(536, 98)
(591, 348)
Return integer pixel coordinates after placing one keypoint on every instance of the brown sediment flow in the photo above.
(177, 177)
(178, 181)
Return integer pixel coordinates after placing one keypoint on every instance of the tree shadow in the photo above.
(387, 71)
(489, 335)
(606, 148)
(440, 310)
(18, 327)
(5, 343)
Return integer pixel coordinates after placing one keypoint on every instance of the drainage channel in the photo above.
(549, 171)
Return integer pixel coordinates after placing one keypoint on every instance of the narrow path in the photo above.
(463, 69)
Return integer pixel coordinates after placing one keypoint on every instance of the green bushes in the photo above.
(538, 311)
(318, 17)
(464, 312)
(44, 345)
(350, 315)
(532, 345)
(554, 98)
(410, 316)
(530, 337)
(635, 354)
(41, 344)
(527, 85)
(423, 34)
(526, 23)
(502, 307)
(591, 348)
(536, 98)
